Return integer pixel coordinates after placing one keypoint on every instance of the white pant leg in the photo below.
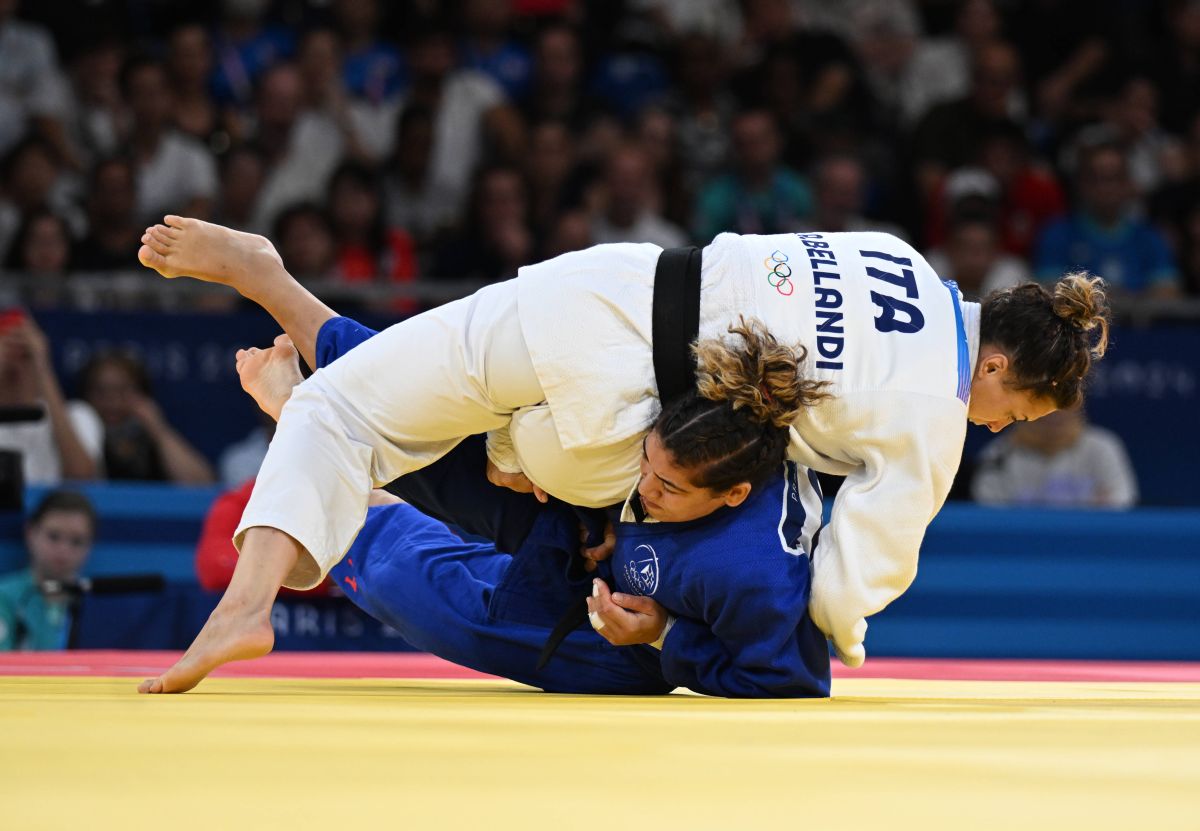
(392, 405)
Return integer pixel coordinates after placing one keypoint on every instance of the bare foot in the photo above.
(213, 253)
(268, 375)
(226, 636)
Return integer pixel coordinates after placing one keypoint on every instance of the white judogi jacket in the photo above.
(896, 345)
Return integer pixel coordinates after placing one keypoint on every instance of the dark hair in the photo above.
(296, 211)
(16, 252)
(135, 64)
(125, 360)
(64, 500)
(1047, 336)
(734, 426)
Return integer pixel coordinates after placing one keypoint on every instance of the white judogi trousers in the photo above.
(413, 392)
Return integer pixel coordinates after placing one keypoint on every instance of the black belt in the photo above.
(675, 326)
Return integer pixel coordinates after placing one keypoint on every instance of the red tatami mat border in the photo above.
(420, 665)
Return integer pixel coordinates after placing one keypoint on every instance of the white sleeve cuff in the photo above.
(658, 644)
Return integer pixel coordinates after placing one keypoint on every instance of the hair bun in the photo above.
(1080, 299)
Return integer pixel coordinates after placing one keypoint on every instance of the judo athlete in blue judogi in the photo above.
(734, 582)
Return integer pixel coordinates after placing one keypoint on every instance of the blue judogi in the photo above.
(735, 580)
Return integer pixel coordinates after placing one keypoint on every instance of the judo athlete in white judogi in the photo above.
(557, 366)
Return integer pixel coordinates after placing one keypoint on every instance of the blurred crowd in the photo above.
(459, 139)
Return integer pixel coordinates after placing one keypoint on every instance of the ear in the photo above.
(992, 363)
(737, 494)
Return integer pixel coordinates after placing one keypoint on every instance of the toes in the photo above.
(150, 258)
(177, 221)
(151, 686)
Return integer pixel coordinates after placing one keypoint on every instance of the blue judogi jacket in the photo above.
(737, 582)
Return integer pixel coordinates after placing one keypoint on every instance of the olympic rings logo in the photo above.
(779, 273)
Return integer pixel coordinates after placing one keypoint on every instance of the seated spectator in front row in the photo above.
(1105, 235)
(66, 439)
(1059, 461)
(35, 615)
(138, 441)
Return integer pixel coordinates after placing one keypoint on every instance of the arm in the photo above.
(755, 641)
(908, 446)
(77, 463)
(182, 463)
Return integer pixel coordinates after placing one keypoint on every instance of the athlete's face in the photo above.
(994, 404)
(667, 491)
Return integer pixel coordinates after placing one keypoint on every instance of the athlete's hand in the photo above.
(518, 482)
(625, 619)
(602, 551)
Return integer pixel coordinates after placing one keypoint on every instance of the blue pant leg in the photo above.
(411, 573)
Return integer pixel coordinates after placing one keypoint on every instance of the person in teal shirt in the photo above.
(58, 536)
(763, 196)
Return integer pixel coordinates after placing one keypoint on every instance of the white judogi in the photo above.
(880, 328)
(895, 423)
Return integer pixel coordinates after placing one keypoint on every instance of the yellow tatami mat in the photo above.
(89, 753)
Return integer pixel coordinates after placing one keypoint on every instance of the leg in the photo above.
(452, 489)
(439, 592)
(246, 262)
(240, 627)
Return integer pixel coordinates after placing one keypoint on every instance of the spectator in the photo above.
(702, 105)
(657, 133)
(556, 91)
(366, 127)
(1175, 66)
(941, 67)
(629, 199)
(372, 69)
(35, 611)
(31, 178)
(552, 172)
(1176, 208)
(306, 244)
(761, 196)
(113, 236)
(972, 258)
(33, 92)
(244, 49)
(1132, 120)
(190, 66)
(840, 192)
(489, 48)
(950, 134)
(416, 200)
(66, 441)
(96, 109)
(301, 145)
(242, 172)
(469, 112)
(367, 249)
(1105, 235)
(496, 239)
(138, 442)
(572, 231)
(1059, 461)
(174, 173)
(42, 253)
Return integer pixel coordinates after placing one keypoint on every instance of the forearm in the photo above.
(76, 463)
(183, 464)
